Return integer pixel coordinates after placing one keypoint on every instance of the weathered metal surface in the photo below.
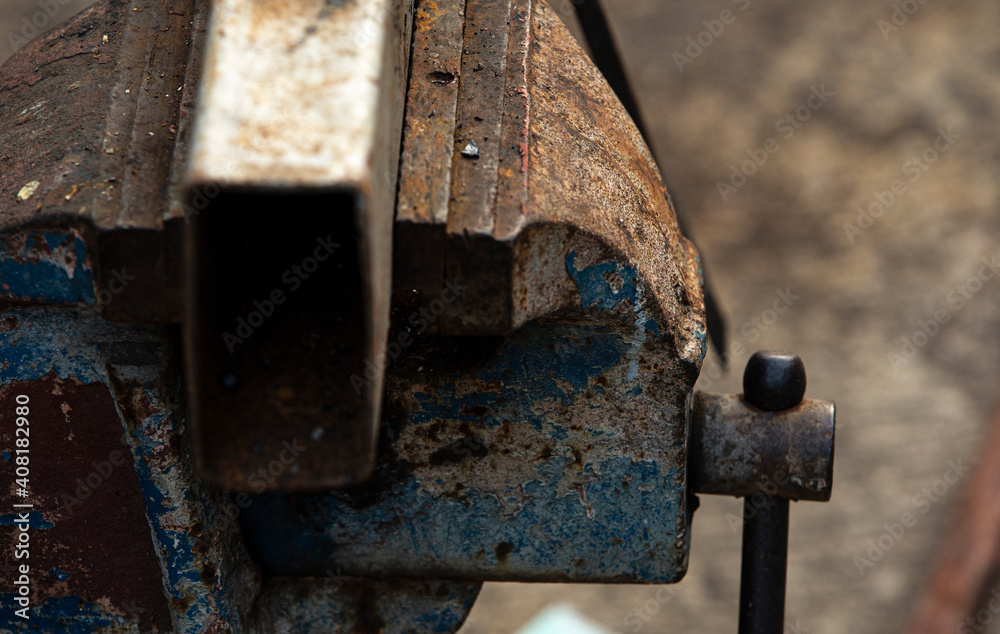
(553, 454)
(479, 117)
(89, 129)
(110, 467)
(92, 564)
(558, 452)
(588, 169)
(739, 450)
(344, 605)
(300, 112)
(603, 49)
(428, 137)
(208, 576)
(559, 168)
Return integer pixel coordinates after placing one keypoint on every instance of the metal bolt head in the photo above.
(774, 380)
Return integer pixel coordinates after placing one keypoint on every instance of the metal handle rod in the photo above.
(765, 555)
(773, 381)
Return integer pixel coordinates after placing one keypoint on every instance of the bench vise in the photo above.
(327, 312)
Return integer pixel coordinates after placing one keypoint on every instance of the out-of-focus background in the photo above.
(877, 93)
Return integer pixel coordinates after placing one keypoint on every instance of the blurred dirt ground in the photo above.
(892, 82)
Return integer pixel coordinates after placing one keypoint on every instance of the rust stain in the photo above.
(502, 551)
(133, 401)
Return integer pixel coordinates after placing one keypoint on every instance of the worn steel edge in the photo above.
(91, 127)
(558, 156)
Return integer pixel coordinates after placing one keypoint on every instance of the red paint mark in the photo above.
(87, 487)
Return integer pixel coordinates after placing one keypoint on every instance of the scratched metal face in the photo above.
(553, 454)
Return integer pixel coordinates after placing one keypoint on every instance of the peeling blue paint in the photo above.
(196, 599)
(37, 270)
(35, 520)
(702, 344)
(29, 346)
(183, 566)
(66, 341)
(597, 284)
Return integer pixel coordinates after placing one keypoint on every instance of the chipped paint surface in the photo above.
(545, 457)
(209, 578)
(196, 551)
(89, 538)
(50, 266)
